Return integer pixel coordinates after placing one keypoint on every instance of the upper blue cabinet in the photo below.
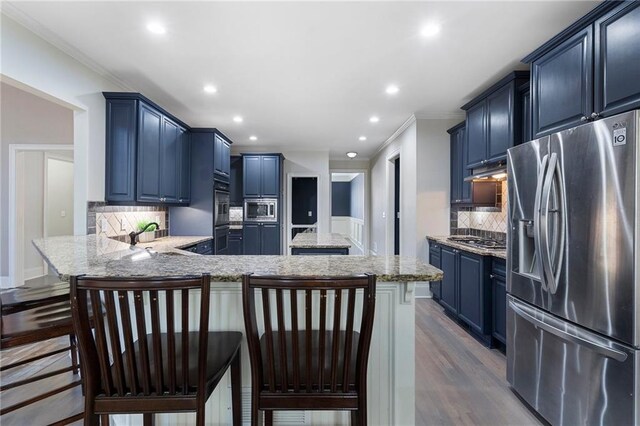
(221, 158)
(588, 71)
(494, 121)
(148, 156)
(262, 175)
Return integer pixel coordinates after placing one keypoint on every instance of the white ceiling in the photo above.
(343, 177)
(304, 75)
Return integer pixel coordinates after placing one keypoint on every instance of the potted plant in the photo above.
(147, 236)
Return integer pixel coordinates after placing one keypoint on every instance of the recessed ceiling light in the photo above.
(374, 119)
(392, 89)
(362, 138)
(210, 89)
(237, 119)
(352, 154)
(430, 30)
(253, 138)
(156, 28)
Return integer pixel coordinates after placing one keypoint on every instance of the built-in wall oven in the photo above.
(221, 217)
(221, 210)
(261, 210)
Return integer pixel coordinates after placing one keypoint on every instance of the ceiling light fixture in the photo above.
(156, 28)
(210, 89)
(392, 89)
(374, 119)
(430, 30)
(237, 119)
(253, 138)
(362, 138)
(352, 154)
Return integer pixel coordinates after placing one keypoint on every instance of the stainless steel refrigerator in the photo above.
(573, 281)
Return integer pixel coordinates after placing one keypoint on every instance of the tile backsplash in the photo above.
(117, 221)
(236, 214)
(487, 222)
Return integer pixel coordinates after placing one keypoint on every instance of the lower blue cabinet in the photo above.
(235, 242)
(499, 291)
(466, 290)
(434, 260)
(261, 238)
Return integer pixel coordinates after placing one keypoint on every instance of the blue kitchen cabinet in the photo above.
(221, 158)
(147, 153)
(434, 260)
(251, 176)
(235, 182)
(121, 137)
(588, 71)
(261, 238)
(494, 121)
(466, 291)
(525, 99)
(149, 143)
(449, 284)
(270, 239)
(262, 175)
(184, 161)
(617, 60)
(235, 242)
(169, 161)
(476, 135)
(562, 85)
(499, 298)
(474, 303)
(460, 189)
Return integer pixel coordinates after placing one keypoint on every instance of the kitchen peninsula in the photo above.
(392, 360)
(311, 243)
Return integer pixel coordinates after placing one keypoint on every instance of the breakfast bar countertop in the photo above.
(101, 256)
(314, 240)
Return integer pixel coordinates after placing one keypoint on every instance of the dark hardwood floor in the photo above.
(459, 381)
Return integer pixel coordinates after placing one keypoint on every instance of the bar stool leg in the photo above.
(268, 418)
(148, 419)
(74, 352)
(236, 388)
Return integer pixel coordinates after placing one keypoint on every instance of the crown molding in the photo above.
(447, 116)
(13, 12)
(394, 136)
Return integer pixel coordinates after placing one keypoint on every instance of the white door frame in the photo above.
(390, 225)
(367, 202)
(16, 262)
(288, 223)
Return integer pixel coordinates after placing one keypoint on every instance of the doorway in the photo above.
(41, 200)
(348, 208)
(302, 205)
(396, 207)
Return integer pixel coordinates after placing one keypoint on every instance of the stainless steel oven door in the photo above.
(221, 214)
(568, 374)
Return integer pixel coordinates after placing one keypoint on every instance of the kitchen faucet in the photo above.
(134, 235)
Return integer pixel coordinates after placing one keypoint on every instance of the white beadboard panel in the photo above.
(391, 362)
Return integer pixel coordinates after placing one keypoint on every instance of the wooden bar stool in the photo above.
(309, 358)
(138, 361)
(33, 316)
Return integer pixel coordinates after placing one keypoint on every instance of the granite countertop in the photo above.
(102, 256)
(313, 240)
(444, 240)
(173, 244)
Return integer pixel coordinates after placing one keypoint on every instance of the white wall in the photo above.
(59, 197)
(30, 204)
(25, 119)
(33, 64)
(433, 182)
(382, 195)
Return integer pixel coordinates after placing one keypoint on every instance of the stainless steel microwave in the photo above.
(261, 210)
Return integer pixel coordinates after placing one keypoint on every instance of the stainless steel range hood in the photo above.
(493, 172)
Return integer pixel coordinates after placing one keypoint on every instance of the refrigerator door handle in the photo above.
(559, 237)
(536, 220)
(545, 256)
(580, 338)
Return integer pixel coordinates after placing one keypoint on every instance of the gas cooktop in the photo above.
(485, 243)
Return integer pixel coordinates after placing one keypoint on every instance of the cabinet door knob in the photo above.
(583, 118)
(595, 115)
(492, 276)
